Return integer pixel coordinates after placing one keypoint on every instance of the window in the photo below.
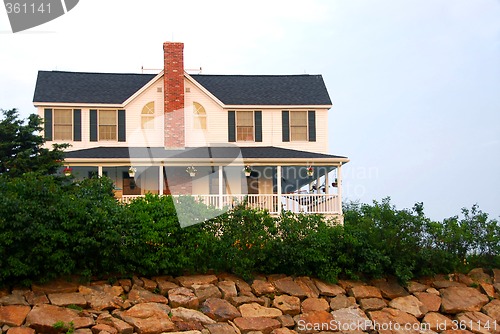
(298, 125)
(107, 124)
(63, 124)
(147, 116)
(200, 116)
(244, 126)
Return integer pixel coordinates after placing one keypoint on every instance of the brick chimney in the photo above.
(173, 94)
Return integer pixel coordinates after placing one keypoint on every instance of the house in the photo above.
(221, 138)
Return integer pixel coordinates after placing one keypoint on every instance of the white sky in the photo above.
(415, 83)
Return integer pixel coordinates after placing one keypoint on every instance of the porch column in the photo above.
(221, 188)
(278, 185)
(99, 171)
(327, 183)
(160, 179)
(339, 187)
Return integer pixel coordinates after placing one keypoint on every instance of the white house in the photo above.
(187, 134)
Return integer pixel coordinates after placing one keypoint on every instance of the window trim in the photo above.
(99, 125)
(54, 124)
(290, 125)
(198, 117)
(148, 116)
(236, 126)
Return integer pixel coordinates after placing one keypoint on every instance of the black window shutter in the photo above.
(93, 125)
(311, 120)
(231, 126)
(121, 126)
(258, 125)
(285, 122)
(77, 125)
(47, 119)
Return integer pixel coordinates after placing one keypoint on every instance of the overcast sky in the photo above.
(415, 84)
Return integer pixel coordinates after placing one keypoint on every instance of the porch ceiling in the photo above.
(202, 155)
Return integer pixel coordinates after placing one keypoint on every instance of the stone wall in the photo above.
(220, 304)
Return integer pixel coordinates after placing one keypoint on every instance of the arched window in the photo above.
(148, 116)
(200, 116)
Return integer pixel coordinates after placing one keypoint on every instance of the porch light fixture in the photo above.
(335, 183)
(191, 171)
(67, 171)
(310, 171)
(131, 171)
(247, 170)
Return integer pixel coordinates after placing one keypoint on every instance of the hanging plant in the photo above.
(67, 171)
(310, 171)
(191, 171)
(335, 183)
(131, 171)
(247, 170)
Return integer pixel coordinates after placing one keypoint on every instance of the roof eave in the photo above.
(207, 161)
(84, 105)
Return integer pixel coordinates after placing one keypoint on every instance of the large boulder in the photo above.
(287, 304)
(183, 297)
(288, 286)
(409, 304)
(392, 321)
(261, 287)
(148, 318)
(438, 322)
(314, 322)
(315, 304)
(262, 324)
(219, 309)
(187, 314)
(13, 315)
(140, 295)
(462, 299)
(478, 323)
(189, 281)
(43, 317)
(205, 291)
(492, 309)
(254, 310)
(351, 319)
(66, 299)
(365, 291)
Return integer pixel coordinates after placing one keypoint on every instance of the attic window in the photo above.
(147, 116)
(200, 116)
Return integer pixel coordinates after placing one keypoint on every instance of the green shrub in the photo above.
(50, 229)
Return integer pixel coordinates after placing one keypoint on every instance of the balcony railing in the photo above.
(298, 203)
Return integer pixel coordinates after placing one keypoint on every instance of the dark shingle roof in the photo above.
(79, 87)
(223, 152)
(266, 89)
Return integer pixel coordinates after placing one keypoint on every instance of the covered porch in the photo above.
(266, 178)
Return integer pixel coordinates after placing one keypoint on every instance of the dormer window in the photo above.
(199, 116)
(147, 116)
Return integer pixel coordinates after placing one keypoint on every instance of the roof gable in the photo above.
(266, 89)
(81, 87)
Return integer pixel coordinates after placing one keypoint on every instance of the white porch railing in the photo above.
(298, 203)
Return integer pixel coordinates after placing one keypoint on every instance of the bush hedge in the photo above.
(51, 227)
